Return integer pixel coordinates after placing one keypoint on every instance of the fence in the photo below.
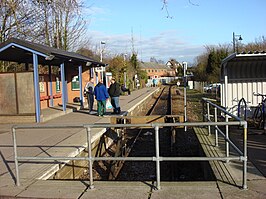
(199, 86)
(157, 158)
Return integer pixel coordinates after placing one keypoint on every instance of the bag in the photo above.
(76, 99)
(108, 105)
(90, 91)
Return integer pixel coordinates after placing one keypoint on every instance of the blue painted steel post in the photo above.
(62, 70)
(36, 88)
(51, 86)
(80, 87)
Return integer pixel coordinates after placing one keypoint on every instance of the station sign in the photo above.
(99, 69)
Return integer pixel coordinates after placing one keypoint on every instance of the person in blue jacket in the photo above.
(101, 96)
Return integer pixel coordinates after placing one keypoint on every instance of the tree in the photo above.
(258, 45)
(208, 64)
(62, 23)
(200, 69)
(117, 67)
(154, 60)
(86, 51)
(15, 17)
(57, 23)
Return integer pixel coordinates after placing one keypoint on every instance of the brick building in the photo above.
(155, 70)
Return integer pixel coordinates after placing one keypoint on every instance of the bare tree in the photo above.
(165, 7)
(62, 23)
(56, 23)
(14, 18)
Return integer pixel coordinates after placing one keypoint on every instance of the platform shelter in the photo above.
(242, 75)
(24, 94)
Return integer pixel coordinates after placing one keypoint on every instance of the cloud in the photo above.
(162, 45)
(93, 10)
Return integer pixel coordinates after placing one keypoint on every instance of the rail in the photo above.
(157, 158)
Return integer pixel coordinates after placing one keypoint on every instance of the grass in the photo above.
(194, 105)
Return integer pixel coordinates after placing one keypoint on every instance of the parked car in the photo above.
(212, 88)
(207, 88)
(216, 88)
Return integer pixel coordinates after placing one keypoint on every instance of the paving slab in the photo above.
(256, 189)
(52, 142)
(199, 190)
(127, 190)
(62, 142)
(54, 189)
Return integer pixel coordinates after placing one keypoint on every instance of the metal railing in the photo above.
(157, 158)
(207, 116)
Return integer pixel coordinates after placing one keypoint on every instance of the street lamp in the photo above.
(101, 57)
(235, 38)
(125, 73)
(101, 50)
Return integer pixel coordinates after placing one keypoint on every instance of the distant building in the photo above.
(155, 70)
(175, 65)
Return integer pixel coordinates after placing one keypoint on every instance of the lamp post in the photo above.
(101, 57)
(184, 64)
(235, 39)
(125, 73)
(101, 50)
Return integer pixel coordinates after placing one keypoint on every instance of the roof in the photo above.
(245, 66)
(21, 51)
(153, 65)
(173, 63)
(243, 56)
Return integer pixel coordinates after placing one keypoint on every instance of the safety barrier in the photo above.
(157, 158)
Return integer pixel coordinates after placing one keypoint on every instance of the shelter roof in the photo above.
(244, 66)
(243, 56)
(21, 51)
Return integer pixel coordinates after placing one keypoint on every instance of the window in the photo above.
(75, 83)
(57, 84)
(41, 84)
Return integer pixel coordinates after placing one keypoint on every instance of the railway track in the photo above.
(144, 144)
(141, 143)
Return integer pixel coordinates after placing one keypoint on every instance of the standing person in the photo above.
(101, 96)
(124, 89)
(89, 90)
(114, 92)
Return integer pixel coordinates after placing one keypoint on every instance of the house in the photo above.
(242, 75)
(155, 70)
(173, 64)
(158, 73)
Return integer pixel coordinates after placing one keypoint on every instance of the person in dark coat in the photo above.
(114, 92)
(89, 92)
(124, 89)
(101, 96)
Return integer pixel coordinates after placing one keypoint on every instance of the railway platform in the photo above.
(33, 175)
